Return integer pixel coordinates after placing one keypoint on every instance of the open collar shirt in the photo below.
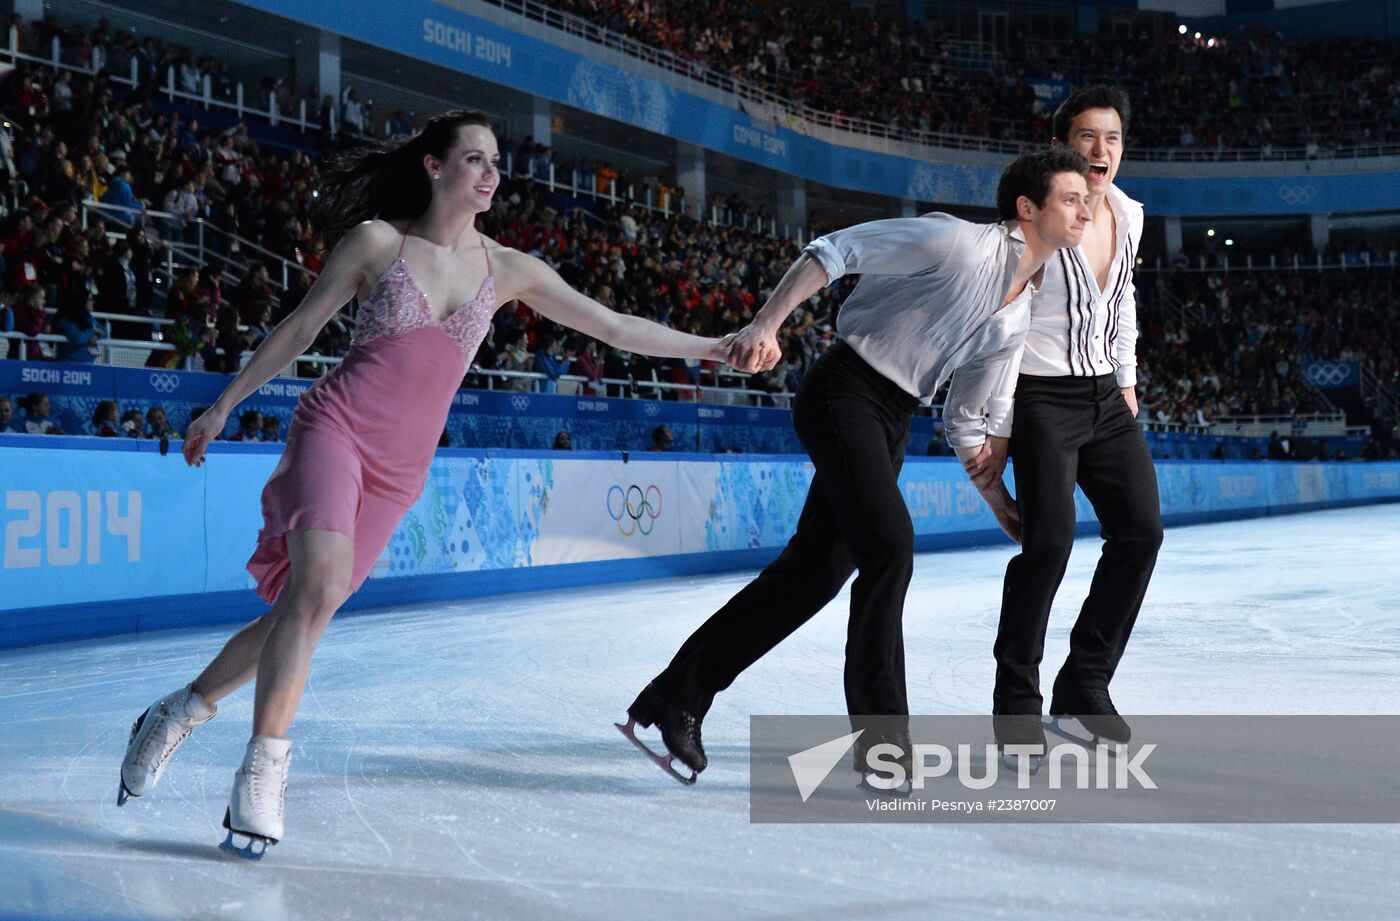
(1078, 330)
(928, 310)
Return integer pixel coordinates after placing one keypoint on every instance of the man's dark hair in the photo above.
(1031, 175)
(1099, 96)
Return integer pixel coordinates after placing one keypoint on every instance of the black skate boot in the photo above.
(680, 733)
(1019, 726)
(1093, 709)
(905, 759)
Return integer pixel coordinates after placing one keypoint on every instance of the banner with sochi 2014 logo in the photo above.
(1333, 375)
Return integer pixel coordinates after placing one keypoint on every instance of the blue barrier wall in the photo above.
(435, 32)
(107, 536)
(478, 418)
(529, 421)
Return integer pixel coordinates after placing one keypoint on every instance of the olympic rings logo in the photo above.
(1328, 374)
(520, 403)
(634, 509)
(651, 409)
(165, 383)
(1297, 194)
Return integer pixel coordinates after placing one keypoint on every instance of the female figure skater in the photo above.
(362, 438)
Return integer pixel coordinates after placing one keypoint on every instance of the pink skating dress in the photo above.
(363, 436)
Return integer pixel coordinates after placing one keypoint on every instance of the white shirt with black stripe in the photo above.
(1076, 329)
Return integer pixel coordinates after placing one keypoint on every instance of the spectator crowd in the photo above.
(1239, 343)
(1251, 90)
(1238, 348)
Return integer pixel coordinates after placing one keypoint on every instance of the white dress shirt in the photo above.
(929, 308)
(1078, 330)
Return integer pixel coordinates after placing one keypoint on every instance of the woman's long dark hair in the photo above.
(388, 180)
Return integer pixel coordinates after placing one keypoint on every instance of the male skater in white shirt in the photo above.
(1074, 422)
(940, 296)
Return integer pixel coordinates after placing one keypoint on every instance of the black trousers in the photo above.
(1070, 430)
(854, 423)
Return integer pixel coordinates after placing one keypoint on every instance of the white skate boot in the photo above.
(259, 787)
(154, 737)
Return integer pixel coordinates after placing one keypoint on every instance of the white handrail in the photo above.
(127, 216)
(799, 117)
(205, 99)
(787, 112)
(1223, 263)
(491, 375)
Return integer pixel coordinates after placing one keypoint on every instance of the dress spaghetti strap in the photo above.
(487, 253)
(403, 241)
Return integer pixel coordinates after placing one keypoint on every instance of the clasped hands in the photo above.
(752, 349)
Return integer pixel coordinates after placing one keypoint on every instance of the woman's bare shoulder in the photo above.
(507, 257)
(374, 234)
(498, 248)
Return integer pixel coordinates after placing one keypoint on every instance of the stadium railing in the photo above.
(781, 110)
(211, 243)
(1319, 424)
(846, 131)
(717, 387)
(243, 104)
(577, 182)
(1221, 262)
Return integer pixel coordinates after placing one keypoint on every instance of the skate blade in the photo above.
(136, 726)
(903, 791)
(1067, 727)
(255, 848)
(123, 794)
(1012, 762)
(662, 761)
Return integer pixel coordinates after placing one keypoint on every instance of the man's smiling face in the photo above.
(1098, 135)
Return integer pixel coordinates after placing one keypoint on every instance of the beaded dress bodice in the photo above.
(396, 305)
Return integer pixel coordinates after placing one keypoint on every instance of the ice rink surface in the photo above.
(459, 761)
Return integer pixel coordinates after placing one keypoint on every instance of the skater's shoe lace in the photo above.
(681, 733)
(260, 788)
(157, 733)
(266, 785)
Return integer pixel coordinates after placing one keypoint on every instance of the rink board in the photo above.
(105, 537)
